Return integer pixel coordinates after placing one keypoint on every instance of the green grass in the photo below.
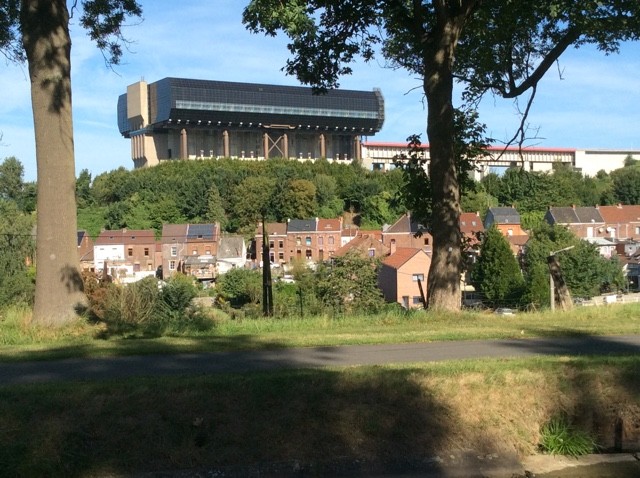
(20, 341)
(558, 437)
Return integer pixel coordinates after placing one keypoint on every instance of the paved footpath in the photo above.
(312, 357)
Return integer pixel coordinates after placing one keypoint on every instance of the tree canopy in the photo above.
(490, 46)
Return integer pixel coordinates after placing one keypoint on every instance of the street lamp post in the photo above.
(551, 282)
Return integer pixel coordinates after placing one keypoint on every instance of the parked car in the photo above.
(505, 311)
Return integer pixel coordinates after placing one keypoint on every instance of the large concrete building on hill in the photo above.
(177, 118)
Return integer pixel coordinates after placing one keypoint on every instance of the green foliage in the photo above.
(497, 273)
(240, 286)
(16, 249)
(134, 308)
(178, 292)
(626, 184)
(348, 284)
(144, 308)
(296, 200)
(585, 271)
(558, 437)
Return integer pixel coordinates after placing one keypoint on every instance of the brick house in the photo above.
(128, 254)
(191, 249)
(400, 274)
(585, 222)
(506, 219)
(402, 233)
(366, 245)
(621, 221)
(470, 225)
(277, 233)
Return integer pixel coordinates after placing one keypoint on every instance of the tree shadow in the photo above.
(355, 422)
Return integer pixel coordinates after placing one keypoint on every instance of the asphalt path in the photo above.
(108, 368)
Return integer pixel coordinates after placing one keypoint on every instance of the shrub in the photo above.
(558, 437)
(135, 307)
(178, 292)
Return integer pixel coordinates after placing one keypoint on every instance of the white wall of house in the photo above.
(110, 253)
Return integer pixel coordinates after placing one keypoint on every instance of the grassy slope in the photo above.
(363, 413)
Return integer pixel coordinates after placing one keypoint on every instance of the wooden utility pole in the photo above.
(267, 289)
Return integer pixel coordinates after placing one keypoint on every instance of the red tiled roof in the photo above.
(329, 225)
(401, 256)
(620, 213)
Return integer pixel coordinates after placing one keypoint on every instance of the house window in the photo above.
(195, 252)
(307, 241)
(272, 244)
(321, 241)
(331, 240)
(281, 256)
(509, 232)
(272, 257)
(298, 241)
(281, 244)
(405, 301)
(638, 230)
(417, 300)
(174, 251)
(146, 252)
(172, 265)
(417, 277)
(308, 254)
(207, 252)
(130, 251)
(372, 252)
(426, 241)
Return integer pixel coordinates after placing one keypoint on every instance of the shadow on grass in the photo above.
(290, 423)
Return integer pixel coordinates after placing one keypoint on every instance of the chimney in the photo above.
(392, 247)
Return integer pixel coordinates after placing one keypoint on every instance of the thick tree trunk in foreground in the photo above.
(59, 289)
(443, 291)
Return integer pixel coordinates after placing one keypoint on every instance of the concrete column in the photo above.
(225, 144)
(358, 153)
(265, 145)
(323, 146)
(285, 149)
(184, 152)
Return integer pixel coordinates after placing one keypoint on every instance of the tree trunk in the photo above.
(59, 288)
(443, 292)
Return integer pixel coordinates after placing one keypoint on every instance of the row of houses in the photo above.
(127, 255)
(405, 247)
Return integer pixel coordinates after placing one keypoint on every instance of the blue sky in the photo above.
(594, 106)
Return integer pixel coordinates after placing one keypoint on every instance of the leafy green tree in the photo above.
(252, 199)
(11, 184)
(84, 196)
(497, 273)
(297, 200)
(38, 31)
(349, 284)
(240, 287)
(626, 184)
(16, 249)
(491, 45)
(215, 207)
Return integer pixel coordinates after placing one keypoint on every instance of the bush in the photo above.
(559, 438)
(135, 307)
(178, 292)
